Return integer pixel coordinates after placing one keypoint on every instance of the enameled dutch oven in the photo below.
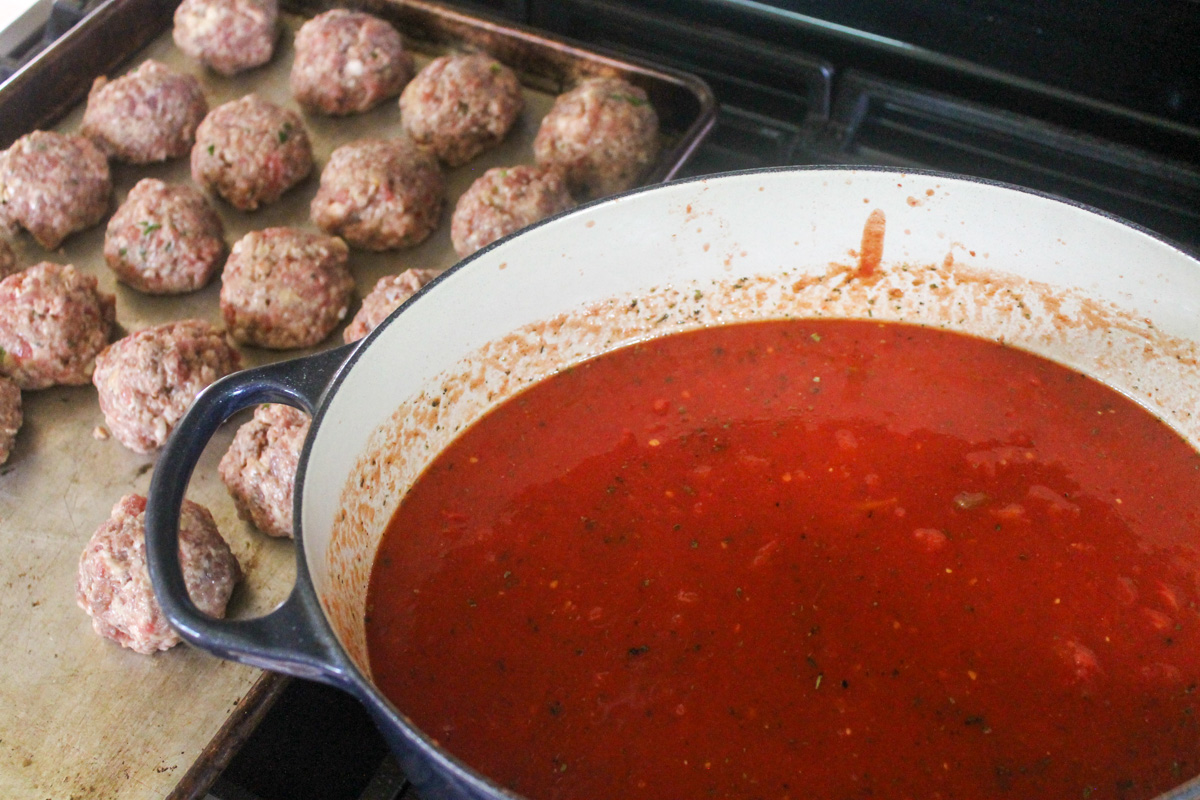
(1061, 280)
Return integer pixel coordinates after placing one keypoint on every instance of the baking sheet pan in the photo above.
(80, 716)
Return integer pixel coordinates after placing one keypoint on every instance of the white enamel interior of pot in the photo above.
(1056, 279)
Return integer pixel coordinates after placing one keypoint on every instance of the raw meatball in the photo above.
(250, 152)
(285, 288)
(347, 62)
(504, 200)
(391, 292)
(147, 380)
(380, 194)
(602, 134)
(164, 239)
(259, 469)
(8, 259)
(461, 105)
(53, 323)
(228, 36)
(149, 115)
(10, 415)
(114, 581)
(53, 184)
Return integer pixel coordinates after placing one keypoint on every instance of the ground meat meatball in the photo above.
(114, 581)
(149, 115)
(285, 288)
(380, 194)
(10, 415)
(164, 239)
(228, 36)
(259, 469)
(147, 380)
(390, 292)
(53, 323)
(53, 184)
(250, 152)
(504, 200)
(347, 62)
(461, 105)
(602, 134)
(8, 259)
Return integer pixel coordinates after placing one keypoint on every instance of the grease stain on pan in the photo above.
(1160, 371)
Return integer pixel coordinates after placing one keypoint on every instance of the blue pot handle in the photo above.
(295, 638)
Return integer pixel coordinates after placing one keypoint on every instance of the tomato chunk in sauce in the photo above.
(805, 559)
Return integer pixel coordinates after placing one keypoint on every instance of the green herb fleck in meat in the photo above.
(148, 227)
(285, 132)
(212, 148)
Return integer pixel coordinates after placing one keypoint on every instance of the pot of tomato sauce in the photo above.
(787, 483)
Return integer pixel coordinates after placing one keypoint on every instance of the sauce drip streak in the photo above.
(870, 252)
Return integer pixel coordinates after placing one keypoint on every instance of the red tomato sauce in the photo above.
(805, 559)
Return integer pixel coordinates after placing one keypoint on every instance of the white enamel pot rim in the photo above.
(1058, 278)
